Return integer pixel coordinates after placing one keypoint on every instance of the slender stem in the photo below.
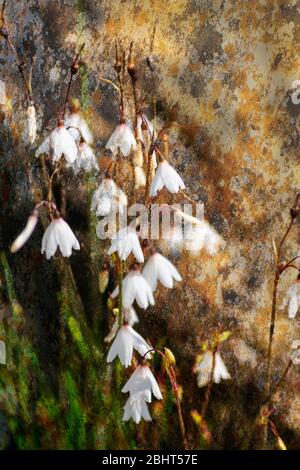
(50, 184)
(282, 378)
(180, 416)
(118, 68)
(67, 97)
(278, 272)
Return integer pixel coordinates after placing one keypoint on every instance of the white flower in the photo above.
(59, 234)
(2, 352)
(204, 369)
(78, 128)
(143, 121)
(135, 287)
(140, 177)
(159, 268)
(31, 121)
(126, 340)
(295, 356)
(59, 143)
(26, 233)
(122, 138)
(86, 159)
(142, 380)
(292, 298)
(108, 198)
(125, 242)
(136, 408)
(166, 176)
(202, 236)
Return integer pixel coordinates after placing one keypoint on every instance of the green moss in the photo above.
(77, 335)
(75, 416)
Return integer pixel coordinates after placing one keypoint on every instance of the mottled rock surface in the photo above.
(225, 73)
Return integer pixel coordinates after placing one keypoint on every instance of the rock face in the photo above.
(225, 73)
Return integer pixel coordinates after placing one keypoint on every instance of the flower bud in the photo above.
(26, 233)
(103, 278)
(170, 356)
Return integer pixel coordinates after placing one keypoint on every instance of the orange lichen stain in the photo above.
(216, 89)
(141, 18)
(240, 77)
(229, 49)
(207, 112)
(194, 67)
(249, 20)
(173, 69)
(111, 26)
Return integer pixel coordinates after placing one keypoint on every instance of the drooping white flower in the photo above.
(166, 176)
(126, 340)
(86, 159)
(26, 233)
(59, 143)
(140, 177)
(159, 268)
(135, 287)
(78, 128)
(108, 198)
(136, 408)
(292, 299)
(31, 122)
(59, 234)
(125, 242)
(203, 369)
(142, 380)
(122, 138)
(295, 356)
